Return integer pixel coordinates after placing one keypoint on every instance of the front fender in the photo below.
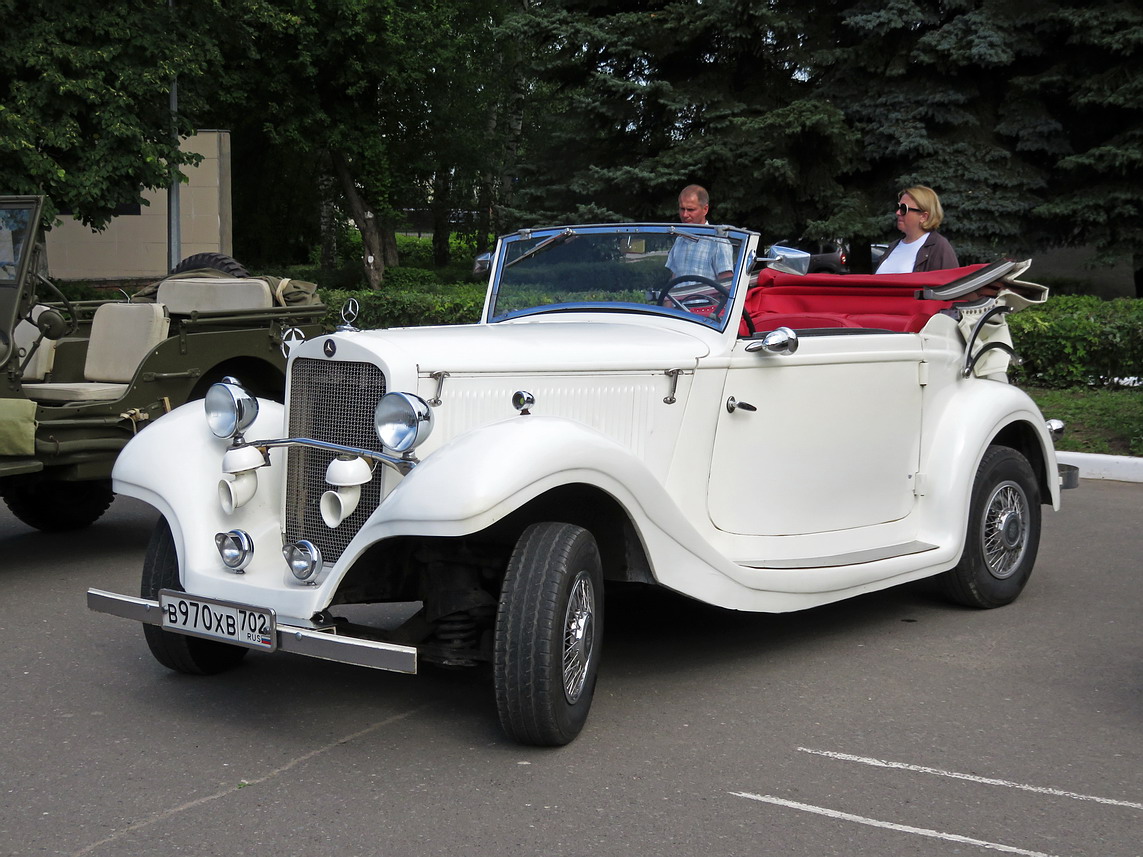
(175, 466)
(489, 472)
(486, 474)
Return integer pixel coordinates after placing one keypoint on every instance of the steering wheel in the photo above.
(723, 292)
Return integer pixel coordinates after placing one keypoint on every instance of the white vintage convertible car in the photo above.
(649, 403)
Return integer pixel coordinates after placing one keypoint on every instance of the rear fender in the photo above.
(980, 415)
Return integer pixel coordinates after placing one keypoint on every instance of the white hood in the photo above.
(534, 346)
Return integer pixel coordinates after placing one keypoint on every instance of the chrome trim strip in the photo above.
(125, 606)
(401, 464)
(301, 641)
(854, 558)
(348, 650)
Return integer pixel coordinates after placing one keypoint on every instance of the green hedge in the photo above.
(1079, 341)
(390, 307)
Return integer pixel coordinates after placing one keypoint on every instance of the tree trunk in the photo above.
(372, 244)
(328, 221)
(1138, 259)
(442, 196)
(389, 243)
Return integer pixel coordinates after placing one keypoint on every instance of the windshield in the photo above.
(687, 271)
(19, 228)
(15, 221)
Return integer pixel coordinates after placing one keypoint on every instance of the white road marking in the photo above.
(889, 825)
(1044, 790)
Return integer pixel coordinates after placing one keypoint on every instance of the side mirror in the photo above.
(781, 340)
(788, 260)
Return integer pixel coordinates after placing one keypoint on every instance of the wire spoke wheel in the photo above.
(1005, 531)
(579, 636)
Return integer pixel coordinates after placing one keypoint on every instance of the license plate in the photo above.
(241, 624)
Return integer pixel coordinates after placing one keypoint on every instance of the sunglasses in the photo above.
(903, 209)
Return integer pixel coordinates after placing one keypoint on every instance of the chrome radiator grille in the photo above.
(334, 402)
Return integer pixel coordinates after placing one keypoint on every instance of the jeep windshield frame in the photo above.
(620, 268)
(19, 231)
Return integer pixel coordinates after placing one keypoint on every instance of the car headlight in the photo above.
(230, 410)
(403, 421)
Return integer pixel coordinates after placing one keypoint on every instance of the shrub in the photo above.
(456, 304)
(1079, 340)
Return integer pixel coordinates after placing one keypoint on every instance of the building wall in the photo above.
(136, 246)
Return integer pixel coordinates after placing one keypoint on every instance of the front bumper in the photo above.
(325, 644)
(1069, 475)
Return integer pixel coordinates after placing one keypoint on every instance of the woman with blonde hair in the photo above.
(922, 248)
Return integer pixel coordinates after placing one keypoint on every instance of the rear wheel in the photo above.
(54, 506)
(549, 628)
(177, 651)
(1003, 532)
(215, 261)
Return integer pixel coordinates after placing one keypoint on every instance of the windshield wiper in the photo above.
(559, 238)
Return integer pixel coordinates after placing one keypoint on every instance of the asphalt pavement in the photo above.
(892, 724)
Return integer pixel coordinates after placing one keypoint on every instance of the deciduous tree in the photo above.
(84, 99)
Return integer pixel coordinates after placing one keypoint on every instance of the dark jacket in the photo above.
(936, 253)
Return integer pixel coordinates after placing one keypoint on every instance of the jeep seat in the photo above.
(186, 295)
(122, 334)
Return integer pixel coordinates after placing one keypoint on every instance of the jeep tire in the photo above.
(55, 506)
(549, 633)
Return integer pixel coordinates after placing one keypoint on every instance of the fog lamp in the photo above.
(236, 549)
(303, 558)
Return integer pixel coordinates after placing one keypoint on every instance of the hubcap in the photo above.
(579, 636)
(1005, 532)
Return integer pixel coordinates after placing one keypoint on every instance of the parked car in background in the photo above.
(759, 441)
(79, 379)
(826, 257)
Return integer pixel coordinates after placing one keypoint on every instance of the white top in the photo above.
(903, 257)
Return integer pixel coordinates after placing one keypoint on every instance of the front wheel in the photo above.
(549, 628)
(1003, 532)
(178, 652)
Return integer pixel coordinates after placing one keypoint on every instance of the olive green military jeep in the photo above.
(78, 379)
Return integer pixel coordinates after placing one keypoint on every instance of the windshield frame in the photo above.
(743, 250)
(27, 210)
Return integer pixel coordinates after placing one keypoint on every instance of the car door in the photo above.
(833, 443)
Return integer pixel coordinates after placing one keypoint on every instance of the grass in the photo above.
(1102, 421)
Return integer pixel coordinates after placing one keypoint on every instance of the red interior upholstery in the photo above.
(874, 301)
